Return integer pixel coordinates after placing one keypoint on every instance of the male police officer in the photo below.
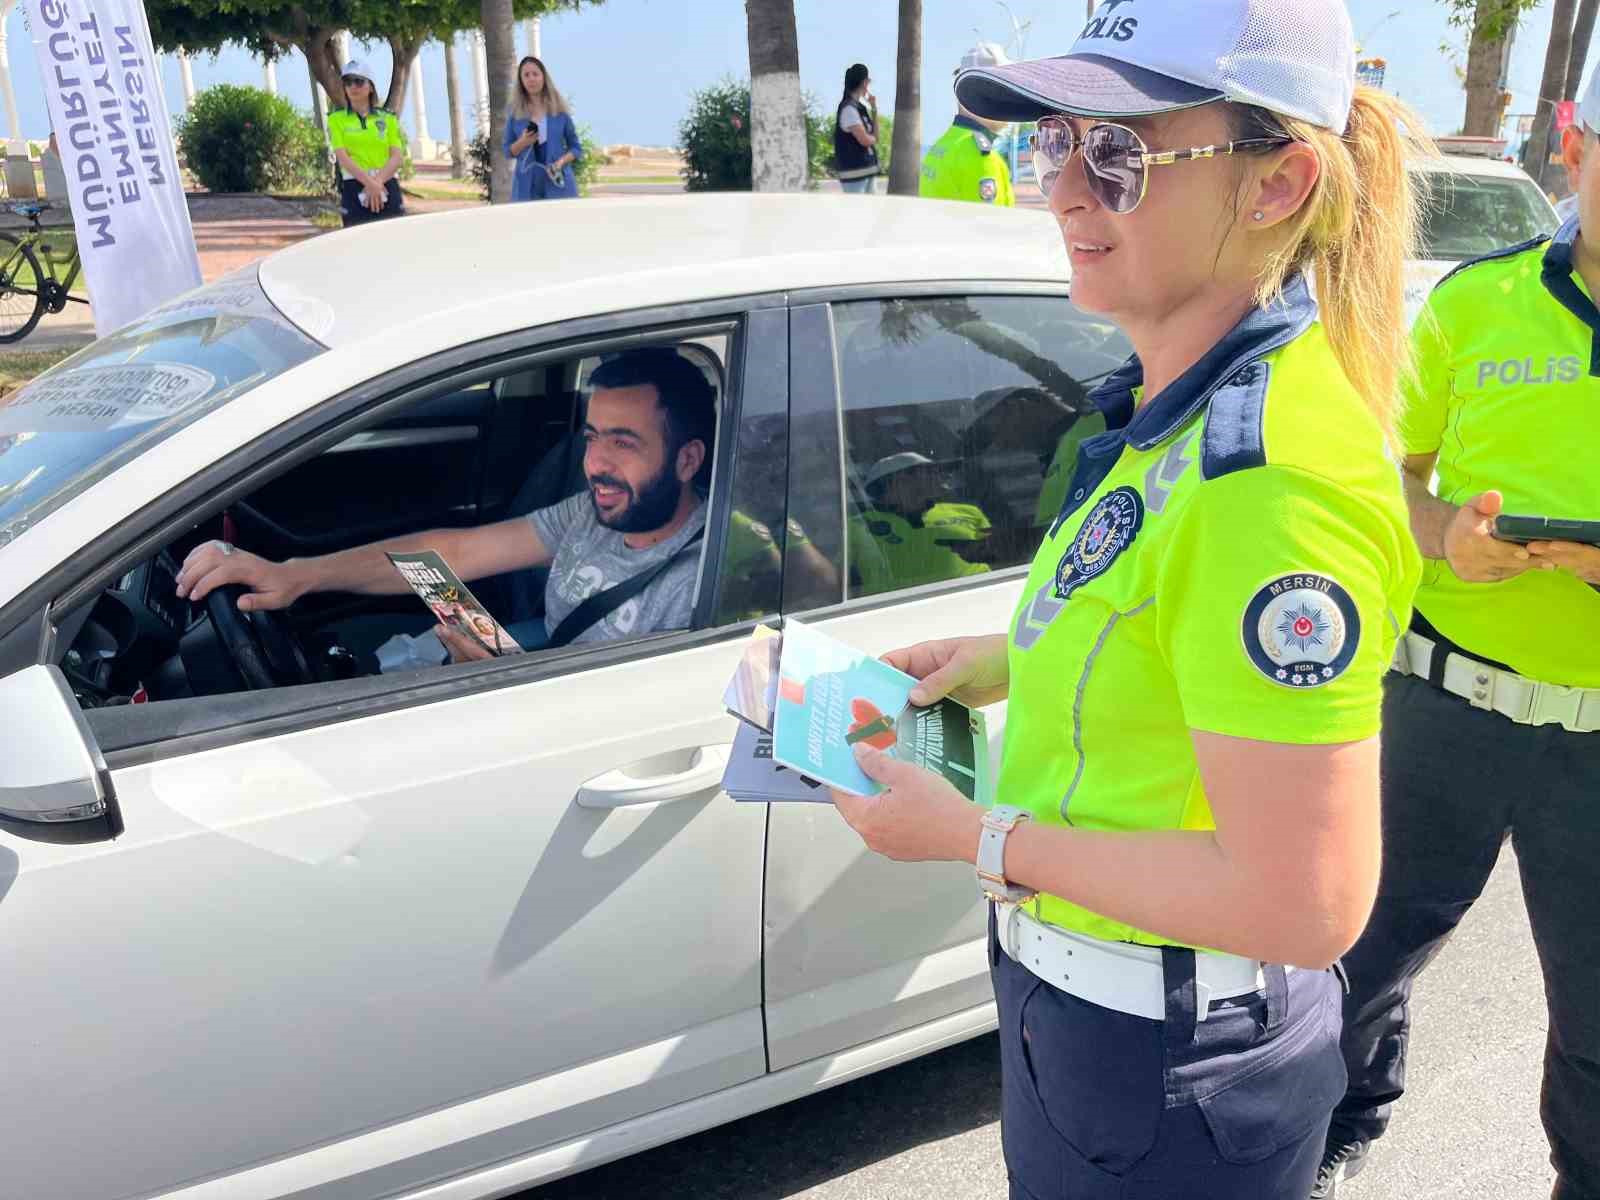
(1492, 717)
(963, 164)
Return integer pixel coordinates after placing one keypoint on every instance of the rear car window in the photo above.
(115, 399)
(961, 418)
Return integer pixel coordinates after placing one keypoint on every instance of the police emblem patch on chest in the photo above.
(1106, 532)
(1301, 630)
(383, 126)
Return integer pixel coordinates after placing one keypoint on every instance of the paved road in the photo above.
(1468, 1128)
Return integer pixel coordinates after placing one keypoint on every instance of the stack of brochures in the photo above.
(804, 701)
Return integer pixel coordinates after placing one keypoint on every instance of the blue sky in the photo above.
(629, 66)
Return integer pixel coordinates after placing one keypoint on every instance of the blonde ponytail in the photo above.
(1353, 236)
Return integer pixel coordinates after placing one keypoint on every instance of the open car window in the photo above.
(489, 449)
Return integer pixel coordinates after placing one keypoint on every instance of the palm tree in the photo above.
(500, 51)
(778, 149)
(1535, 153)
(1582, 32)
(452, 89)
(905, 163)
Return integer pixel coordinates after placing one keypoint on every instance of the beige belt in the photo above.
(1525, 701)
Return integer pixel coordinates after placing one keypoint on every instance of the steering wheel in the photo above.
(263, 650)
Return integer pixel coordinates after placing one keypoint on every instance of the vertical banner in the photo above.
(103, 84)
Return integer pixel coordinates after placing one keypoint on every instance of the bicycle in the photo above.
(26, 291)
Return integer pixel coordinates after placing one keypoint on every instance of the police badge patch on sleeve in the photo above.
(988, 189)
(1301, 630)
(1106, 532)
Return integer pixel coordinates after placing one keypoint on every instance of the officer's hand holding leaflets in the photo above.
(813, 708)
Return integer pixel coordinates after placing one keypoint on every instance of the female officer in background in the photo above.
(1194, 668)
(370, 147)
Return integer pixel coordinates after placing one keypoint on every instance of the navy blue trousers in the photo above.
(1456, 782)
(1101, 1105)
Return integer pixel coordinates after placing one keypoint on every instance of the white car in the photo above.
(274, 924)
(1477, 206)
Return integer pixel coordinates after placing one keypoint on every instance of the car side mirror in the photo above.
(54, 786)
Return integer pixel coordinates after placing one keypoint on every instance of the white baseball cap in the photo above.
(893, 464)
(1135, 58)
(984, 54)
(1589, 106)
(357, 67)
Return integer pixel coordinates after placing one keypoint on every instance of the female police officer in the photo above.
(1191, 754)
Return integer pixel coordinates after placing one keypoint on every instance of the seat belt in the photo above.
(602, 604)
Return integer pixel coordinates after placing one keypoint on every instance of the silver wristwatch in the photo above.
(997, 825)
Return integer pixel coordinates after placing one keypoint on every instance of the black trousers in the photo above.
(1100, 1105)
(354, 212)
(1456, 782)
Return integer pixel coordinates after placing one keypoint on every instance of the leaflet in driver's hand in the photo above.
(431, 578)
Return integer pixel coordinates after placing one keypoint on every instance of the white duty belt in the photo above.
(1525, 701)
(1117, 975)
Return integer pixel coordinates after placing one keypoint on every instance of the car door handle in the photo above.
(618, 789)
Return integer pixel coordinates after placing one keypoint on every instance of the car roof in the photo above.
(1463, 164)
(445, 279)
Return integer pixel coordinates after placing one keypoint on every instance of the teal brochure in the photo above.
(831, 697)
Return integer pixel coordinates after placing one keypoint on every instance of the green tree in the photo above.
(1493, 24)
(1535, 154)
(714, 138)
(271, 28)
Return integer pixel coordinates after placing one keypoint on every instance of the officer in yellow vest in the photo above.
(1185, 835)
(1492, 718)
(964, 164)
(369, 145)
(911, 533)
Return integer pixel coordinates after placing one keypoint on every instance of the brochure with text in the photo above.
(754, 776)
(831, 696)
(431, 578)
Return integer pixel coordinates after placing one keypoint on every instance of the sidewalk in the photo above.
(229, 232)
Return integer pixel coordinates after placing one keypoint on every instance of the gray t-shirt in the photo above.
(590, 558)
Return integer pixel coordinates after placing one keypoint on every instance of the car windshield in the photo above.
(1469, 215)
(113, 400)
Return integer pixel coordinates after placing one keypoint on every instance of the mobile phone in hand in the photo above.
(1509, 527)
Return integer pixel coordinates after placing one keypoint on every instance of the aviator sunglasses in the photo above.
(1116, 161)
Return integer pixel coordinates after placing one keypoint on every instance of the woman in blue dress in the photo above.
(540, 139)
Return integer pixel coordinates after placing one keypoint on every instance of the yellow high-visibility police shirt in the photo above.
(1507, 395)
(1234, 557)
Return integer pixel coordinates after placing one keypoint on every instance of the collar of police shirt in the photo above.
(1259, 333)
(1556, 273)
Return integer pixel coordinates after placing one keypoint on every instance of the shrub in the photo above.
(714, 139)
(243, 139)
(586, 169)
